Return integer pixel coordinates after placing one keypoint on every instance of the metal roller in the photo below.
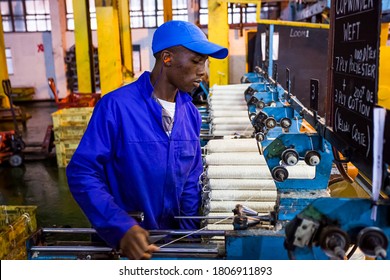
(248, 184)
(246, 158)
(285, 122)
(270, 122)
(279, 173)
(312, 158)
(236, 171)
(290, 157)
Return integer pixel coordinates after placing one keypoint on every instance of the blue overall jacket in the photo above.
(126, 162)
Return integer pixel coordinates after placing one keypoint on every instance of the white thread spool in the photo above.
(226, 206)
(224, 107)
(229, 214)
(232, 133)
(231, 120)
(221, 214)
(233, 126)
(229, 96)
(301, 171)
(244, 184)
(220, 226)
(228, 113)
(232, 145)
(238, 172)
(218, 88)
(246, 195)
(232, 103)
(245, 158)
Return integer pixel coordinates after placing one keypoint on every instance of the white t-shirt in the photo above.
(169, 106)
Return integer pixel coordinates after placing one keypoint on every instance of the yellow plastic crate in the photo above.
(72, 117)
(65, 150)
(17, 223)
(69, 132)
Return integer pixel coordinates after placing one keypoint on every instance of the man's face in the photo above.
(187, 69)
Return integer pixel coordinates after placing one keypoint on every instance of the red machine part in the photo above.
(74, 99)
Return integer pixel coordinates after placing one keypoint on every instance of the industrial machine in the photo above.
(259, 202)
(265, 183)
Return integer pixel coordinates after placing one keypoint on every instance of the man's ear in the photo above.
(166, 58)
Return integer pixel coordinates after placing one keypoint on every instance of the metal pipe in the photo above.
(93, 249)
(70, 249)
(152, 232)
(68, 230)
(260, 218)
(188, 232)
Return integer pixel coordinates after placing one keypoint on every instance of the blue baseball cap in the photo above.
(182, 33)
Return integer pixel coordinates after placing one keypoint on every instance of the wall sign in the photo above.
(355, 75)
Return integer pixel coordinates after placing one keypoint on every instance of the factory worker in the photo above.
(141, 150)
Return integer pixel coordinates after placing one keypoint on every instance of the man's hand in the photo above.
(135, 245)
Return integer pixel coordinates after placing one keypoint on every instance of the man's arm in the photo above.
(87, 179)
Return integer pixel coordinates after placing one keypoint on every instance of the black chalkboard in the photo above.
(386, 147)
(355, 76)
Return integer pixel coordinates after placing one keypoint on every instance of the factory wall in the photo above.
(32, 61)
(34, 58)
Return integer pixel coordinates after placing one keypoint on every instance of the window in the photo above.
(204, 12)
(241, 13)
(8, 58)
(179, 10)
(150, 13)
(70, 16)
(25, 15)
(137, 58)
(146, 13)
(143, 13)
(237, 13)
(270, 11)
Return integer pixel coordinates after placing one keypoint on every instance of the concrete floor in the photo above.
(39, 181)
